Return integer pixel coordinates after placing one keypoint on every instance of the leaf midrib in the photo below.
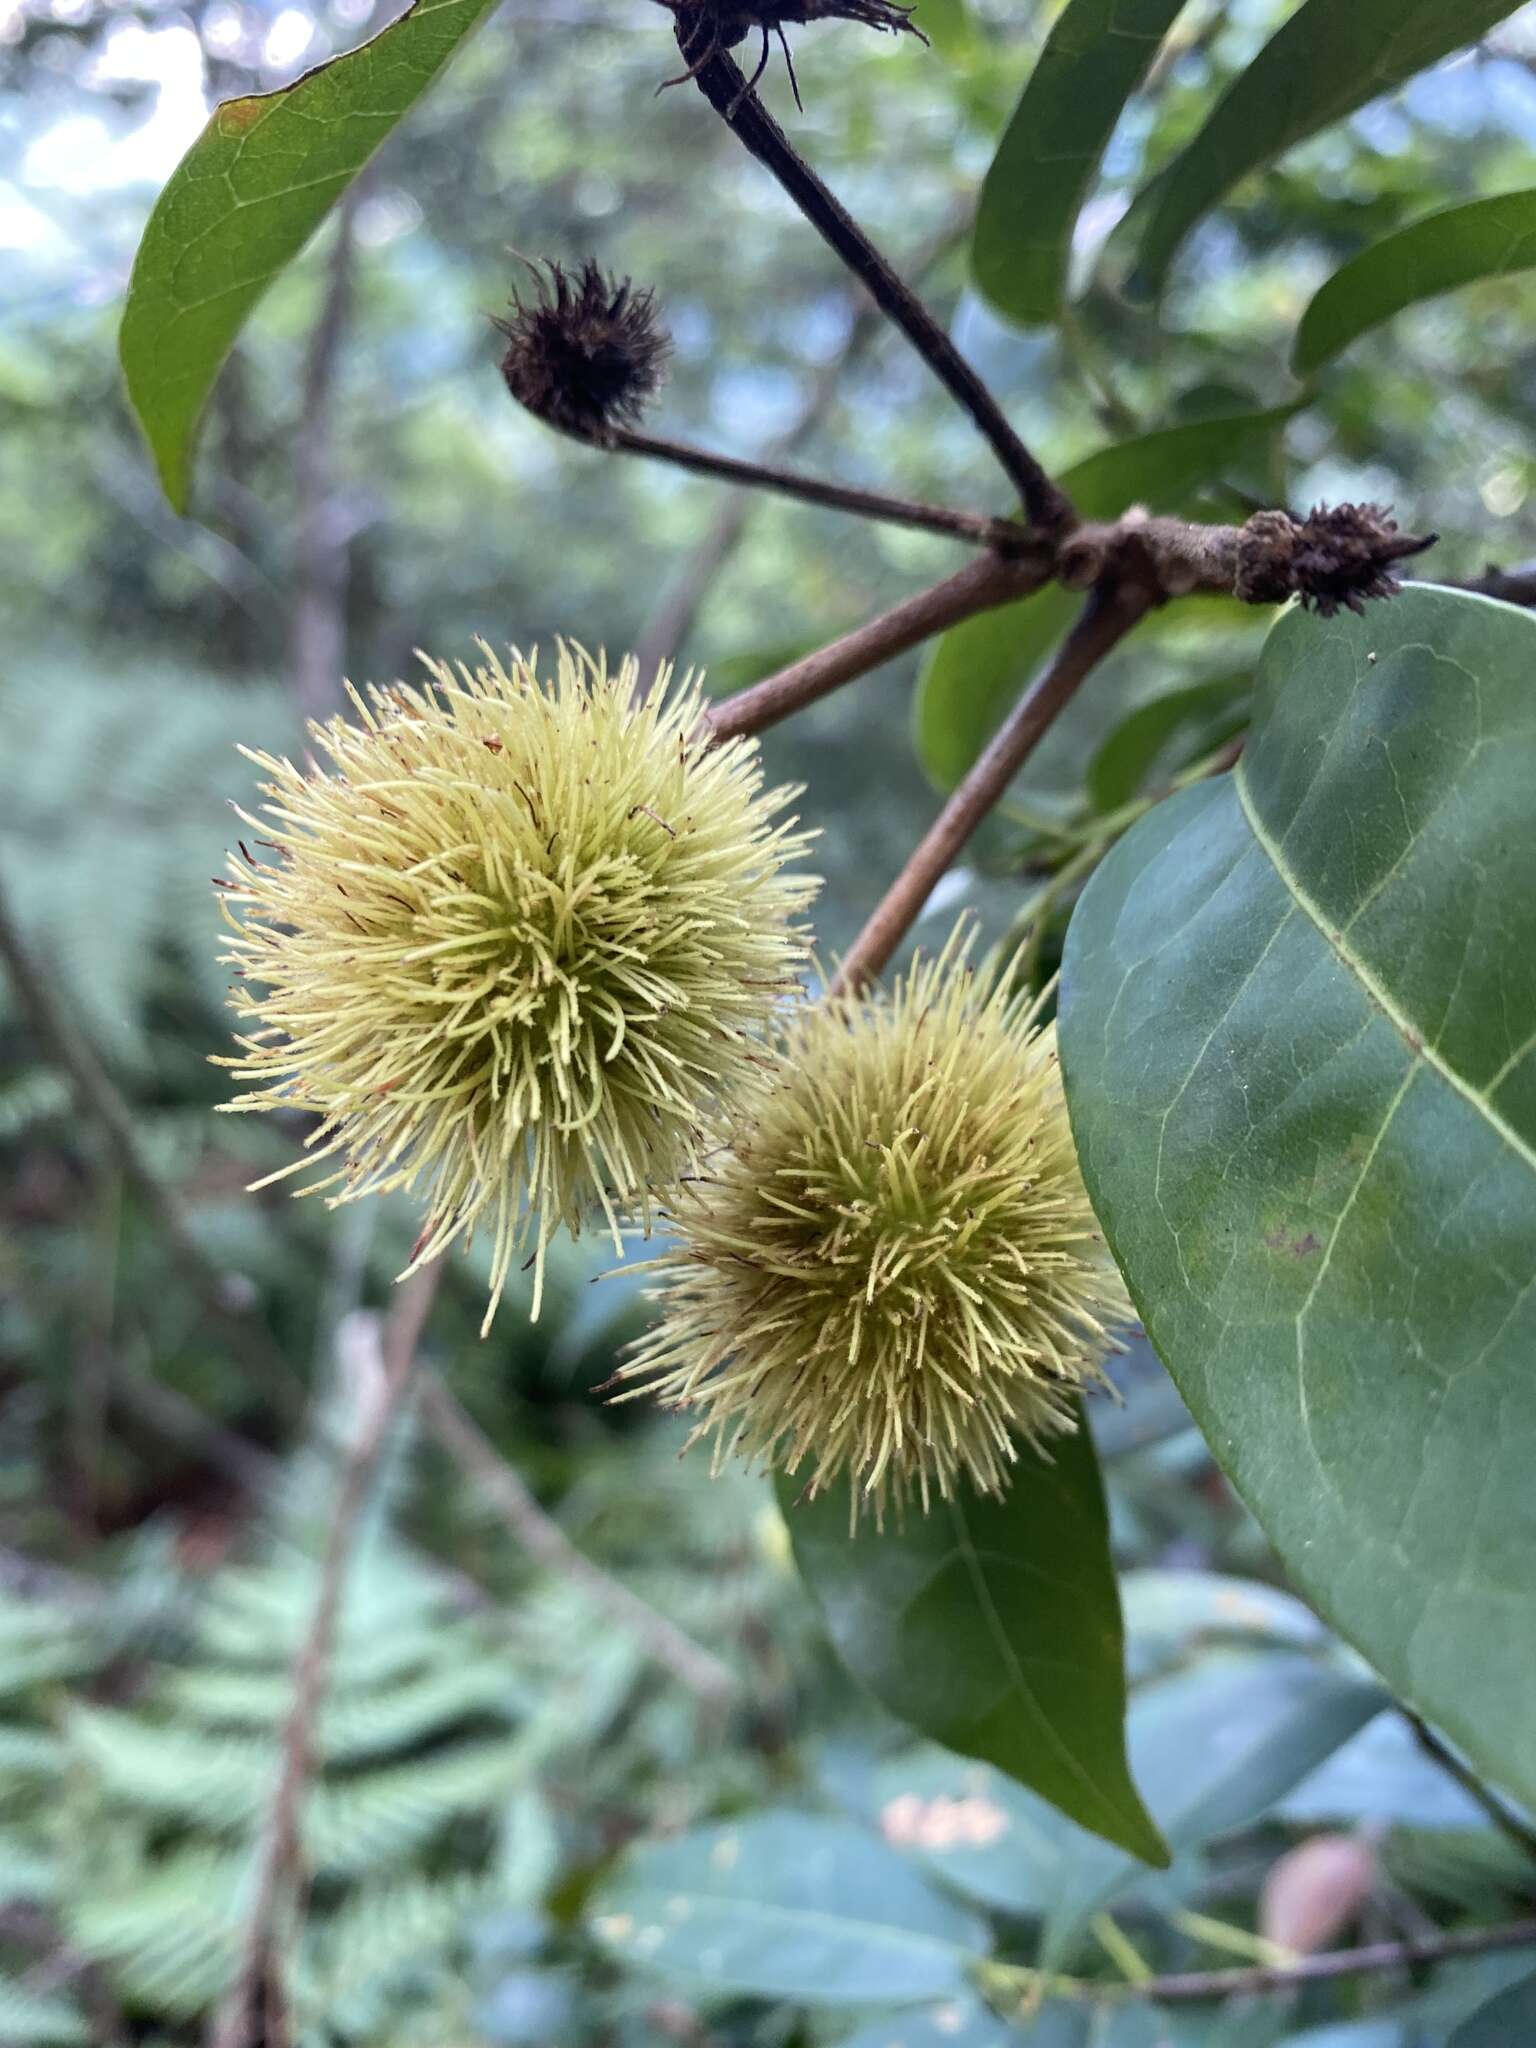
(1418, 1045)
(1009, 1658)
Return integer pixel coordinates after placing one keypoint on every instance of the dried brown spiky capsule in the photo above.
(1338, 556)
(586, 352)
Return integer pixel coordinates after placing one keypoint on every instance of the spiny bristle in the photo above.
(893, 1273)
(586, 353)
(513, 945)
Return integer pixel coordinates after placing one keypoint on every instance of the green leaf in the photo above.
(976, 670)
(1503, 2021)
(1097, 54)
(1213, 1749)
(955, 2023)
(40, 2019)
(784, 1905)
(1383, 1777)
(1486, 238)
(1298, 1032)
(1160, 737)
(242, 203)
(1322, 63)
(994, 1627)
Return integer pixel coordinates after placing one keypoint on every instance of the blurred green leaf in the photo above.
(1321, 64)
(1382, 1776)
(1486, 238)
(1504, 2022)
(955, 2023)
(784, 1905)
(242, 203)
(1213, 1749)
(1161, 737)
(976, 670)
(1172, 1615)
(1298, 1031)
(1097, 54)
(994, 1627)
(949, 27)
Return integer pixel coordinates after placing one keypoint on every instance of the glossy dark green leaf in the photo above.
(242, 203)
(1161, 736)
(993, 1626)
(1097, 54)
(1298, 1031)
(976, 670)
(1504, 2021)
(1323, 62)
(786, 1905)
(1486, 238)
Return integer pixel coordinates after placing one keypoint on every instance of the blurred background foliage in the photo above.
(495, 1741)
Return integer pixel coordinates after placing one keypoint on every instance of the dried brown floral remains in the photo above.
(706, 28)
(1334, 558)
(586, 352)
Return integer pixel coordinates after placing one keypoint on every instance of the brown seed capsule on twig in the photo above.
(705, 28)
(1332, 558)
(586, 353)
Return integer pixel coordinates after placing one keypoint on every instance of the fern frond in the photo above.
(357, 1824)
(169, 1936)
(221, 1781)
(32, 2019)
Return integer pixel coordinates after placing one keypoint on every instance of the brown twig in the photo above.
(671, 618)
(1195, 1985)
(1004, 1982)
(547, 1543)
(1514, 586)
(1109, 614)
(980, 586)
(246, 2018)
(977, 529)
(1509, 1823)
(224, 1296)
(720, 80)
(1338, 556)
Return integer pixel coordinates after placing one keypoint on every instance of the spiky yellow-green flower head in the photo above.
(893, 1272)
(512, 944)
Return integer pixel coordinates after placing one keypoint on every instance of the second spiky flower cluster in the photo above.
(891, 1271)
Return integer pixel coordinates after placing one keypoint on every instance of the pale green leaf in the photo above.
(783, 1905)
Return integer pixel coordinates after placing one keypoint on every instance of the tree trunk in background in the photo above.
(323, 524)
